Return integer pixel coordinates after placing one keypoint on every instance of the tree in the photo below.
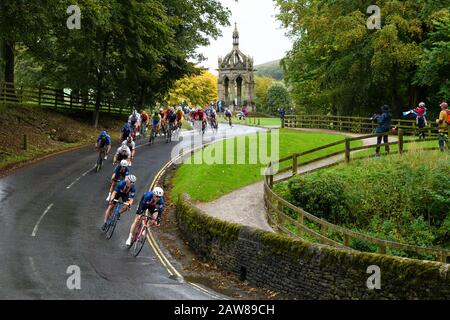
(194, 90)
(338, 65)
(132, 50)
(278, 97)
(262, 84)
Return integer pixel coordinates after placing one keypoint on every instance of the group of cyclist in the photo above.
(123, 182)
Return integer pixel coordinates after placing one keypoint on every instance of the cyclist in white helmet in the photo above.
(154, 203)
(124, 190)
(122, 153)
(119, 173)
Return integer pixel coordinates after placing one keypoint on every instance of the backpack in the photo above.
(448, 117)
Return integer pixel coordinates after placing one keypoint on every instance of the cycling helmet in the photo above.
(125, 143)
(422, 104)
(132, 178)
(103, 134)
(124, 163)
(158, 192)
(444, 105)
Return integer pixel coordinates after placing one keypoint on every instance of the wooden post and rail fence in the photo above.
(57, 99)
(319, 229)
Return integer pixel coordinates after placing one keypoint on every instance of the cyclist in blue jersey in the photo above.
(119, 173)
(103, 140)
(154, 203)
(124, 190)
(126, 131)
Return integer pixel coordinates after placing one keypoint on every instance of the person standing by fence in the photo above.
(383, 126)
(443, 123)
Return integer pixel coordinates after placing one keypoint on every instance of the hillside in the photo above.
(270, 69)
(47, 132)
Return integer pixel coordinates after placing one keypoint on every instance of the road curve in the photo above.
(50, 215)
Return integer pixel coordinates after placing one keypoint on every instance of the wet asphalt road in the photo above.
(37, 249)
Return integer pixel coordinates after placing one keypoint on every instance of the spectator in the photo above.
(443, 123)
(383, 126)
(282, 113)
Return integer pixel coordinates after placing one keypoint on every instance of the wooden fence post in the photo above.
(25, 142)
(294, 164)
(400, 141)
(347, 150)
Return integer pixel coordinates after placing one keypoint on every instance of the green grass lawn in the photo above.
(206, 182)
(253, 121)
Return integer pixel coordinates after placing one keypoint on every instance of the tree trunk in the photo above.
(8, 76)
(100, 75)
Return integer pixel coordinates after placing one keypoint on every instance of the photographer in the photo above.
(383, 126)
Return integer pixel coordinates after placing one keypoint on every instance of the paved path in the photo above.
(246, 205)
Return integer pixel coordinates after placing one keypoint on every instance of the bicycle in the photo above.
(140, 234)
(153, 135)
(112, 220)
(101, 156)
(169, 132)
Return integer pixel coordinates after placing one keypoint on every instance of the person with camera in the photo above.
(383, 127)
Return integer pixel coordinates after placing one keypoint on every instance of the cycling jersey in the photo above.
(150, 204)
(228, 114)
(133, 119)
(144, 116)
(172, 117)
(125, 192)
(119, 174)
(104, 141)
(126, 131)
(131, 145)
(123, 151)
(156, 120)
(180, 115)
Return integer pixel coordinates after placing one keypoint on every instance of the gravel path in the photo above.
(246, 205)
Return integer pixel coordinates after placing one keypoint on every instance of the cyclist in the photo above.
(180, 117)
(126, 131)
(200, 117)
(213, 118)
(133, 119)
(124, 190)
(103, 140)
(228, 116)
(144, 122)
(156, 122)
(154, 203)
(122, 153)
(119, 173)
(132, 145)
(171, 118)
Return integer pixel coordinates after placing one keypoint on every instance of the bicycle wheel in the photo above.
(112, 222)
(139, 243)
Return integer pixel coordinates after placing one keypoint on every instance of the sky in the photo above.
(261, 34)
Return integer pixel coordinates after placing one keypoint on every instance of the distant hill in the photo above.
(270, 69)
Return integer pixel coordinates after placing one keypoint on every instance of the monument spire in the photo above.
(235, 36)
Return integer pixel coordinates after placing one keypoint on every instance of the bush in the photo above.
(398, 198)
(322, 196)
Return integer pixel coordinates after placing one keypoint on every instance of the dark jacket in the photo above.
(384, 122)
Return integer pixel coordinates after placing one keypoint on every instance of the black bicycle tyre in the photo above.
(112, 226)
(139, 244)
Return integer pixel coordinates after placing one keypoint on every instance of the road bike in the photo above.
(140, 234)
(153, 135)
(112, 220)
(170, 131)
(101, 157)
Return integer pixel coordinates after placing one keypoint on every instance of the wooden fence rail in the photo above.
(57, 99)
(277, 207)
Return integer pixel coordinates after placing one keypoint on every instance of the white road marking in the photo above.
(33, 234)
(78, 179)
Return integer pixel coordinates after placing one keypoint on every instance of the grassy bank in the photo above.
(47, 132)
(254, 121)
(206, 182)
(399, 198)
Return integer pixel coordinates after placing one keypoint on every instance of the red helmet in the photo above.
(444, 105)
